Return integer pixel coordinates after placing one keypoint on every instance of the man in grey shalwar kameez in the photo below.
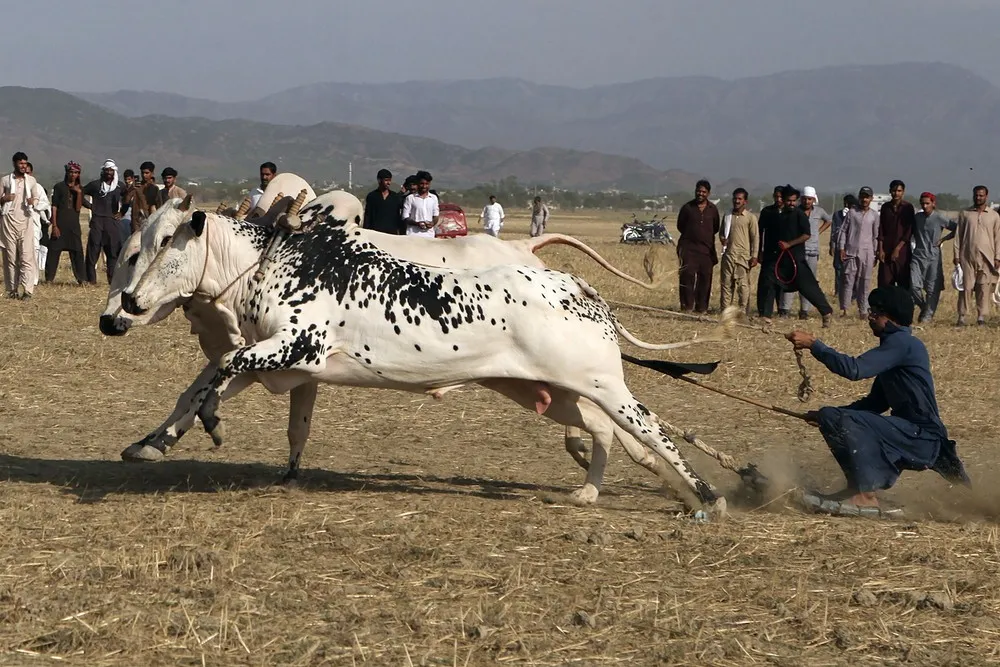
(926, 268)
(856, 243)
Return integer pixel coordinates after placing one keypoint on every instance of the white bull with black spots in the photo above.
(217, 332)
(335, 308)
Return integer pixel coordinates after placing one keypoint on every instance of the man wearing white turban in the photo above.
(107, 197)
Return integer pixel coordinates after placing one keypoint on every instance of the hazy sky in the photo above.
(229, 50)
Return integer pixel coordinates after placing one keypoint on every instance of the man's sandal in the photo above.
(818, 504)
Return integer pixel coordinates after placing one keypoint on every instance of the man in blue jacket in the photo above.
(871, 448)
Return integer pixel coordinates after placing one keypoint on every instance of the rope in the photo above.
(697, 318)
(725, 460)
(805, 390)
(795, 267)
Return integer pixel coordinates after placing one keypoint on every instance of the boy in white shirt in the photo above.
(420, 209)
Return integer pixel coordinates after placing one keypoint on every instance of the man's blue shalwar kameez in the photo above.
(871, 448)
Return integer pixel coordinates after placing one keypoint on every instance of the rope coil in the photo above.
(795, 267)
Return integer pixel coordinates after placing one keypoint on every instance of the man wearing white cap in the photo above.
(819, 222)
(107, 197)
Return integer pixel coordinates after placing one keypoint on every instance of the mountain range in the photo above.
(926, 123)
(53, 127)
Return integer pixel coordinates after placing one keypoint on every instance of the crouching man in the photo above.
(873, 449)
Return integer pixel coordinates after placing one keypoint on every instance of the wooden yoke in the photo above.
(283, 226)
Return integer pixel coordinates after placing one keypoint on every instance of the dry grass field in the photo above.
(439, 532)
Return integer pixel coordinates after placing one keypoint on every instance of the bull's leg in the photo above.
(155, 446)
(302, 399)
(576, 447)
(630, 415)
(576, 412)
(285, 351)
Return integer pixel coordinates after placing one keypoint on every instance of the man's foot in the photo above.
(11, 295)
(803, 315)
(26, 296)
(826, 320)
(843, 494)
(961, 322)
(843, 312)
(981, 321)
(856, 505)
(783, 314)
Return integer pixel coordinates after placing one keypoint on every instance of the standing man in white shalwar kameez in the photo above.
(16, 233)
(492, 217)
(40, 212)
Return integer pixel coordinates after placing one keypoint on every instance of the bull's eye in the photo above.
(165, 241)
(133, 259)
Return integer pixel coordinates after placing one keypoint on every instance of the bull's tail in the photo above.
(650, 260)
(722, 332)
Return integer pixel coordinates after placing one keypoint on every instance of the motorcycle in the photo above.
(645, 232)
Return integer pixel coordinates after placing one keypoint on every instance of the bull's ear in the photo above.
(198, 222)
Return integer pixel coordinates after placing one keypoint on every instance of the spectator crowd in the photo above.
(36, 229)
(894, 245)
(38, 225)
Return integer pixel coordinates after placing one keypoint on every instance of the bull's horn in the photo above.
(186, 204)
(280, 196)
(244, 207)
(297, 204)
(220, 208)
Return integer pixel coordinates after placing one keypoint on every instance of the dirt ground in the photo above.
(440, 533)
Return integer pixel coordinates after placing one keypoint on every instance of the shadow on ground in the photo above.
(92, 480)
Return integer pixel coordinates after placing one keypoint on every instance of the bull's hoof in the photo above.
(717, 509)
(290, 480)
(585, 496)
(218, 434)
(141, 453)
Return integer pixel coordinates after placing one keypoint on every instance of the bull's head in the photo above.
(136, 256)
(175, 272)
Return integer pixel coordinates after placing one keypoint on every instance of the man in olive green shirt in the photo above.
(739, 251)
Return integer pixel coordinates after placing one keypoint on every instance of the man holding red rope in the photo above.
(783, 260)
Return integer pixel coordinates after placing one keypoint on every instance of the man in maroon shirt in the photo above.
(698, 223)
(895, 229)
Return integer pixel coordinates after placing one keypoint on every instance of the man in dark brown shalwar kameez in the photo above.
(896, 221)
(698, 223)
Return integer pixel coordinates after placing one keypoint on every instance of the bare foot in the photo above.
(863, 499)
